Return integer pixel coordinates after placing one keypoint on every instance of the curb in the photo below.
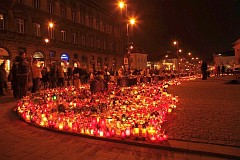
(221, 151)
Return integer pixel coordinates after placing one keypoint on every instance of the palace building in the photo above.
(62, 31)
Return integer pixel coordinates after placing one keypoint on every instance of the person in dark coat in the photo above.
(23, 75)
(3, 78)
(13, 78)
(204, 70)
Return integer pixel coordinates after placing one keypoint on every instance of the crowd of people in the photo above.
(26, 75)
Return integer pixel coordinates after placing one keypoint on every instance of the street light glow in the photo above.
(175, 42)
(132, 21)
(50, 24)
(46, 40)
(121, 4)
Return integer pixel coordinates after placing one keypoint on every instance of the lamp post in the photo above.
(122, 5)
(175, 43)
(50, 30)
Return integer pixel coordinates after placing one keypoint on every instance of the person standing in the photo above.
(45, 79)
(3, 78)
(22, 74)
(36, 75)
(53, 76)
(69, 76)
(13, 78)
(223, 70)
(60, 76)
(76, 76)
(204, 70)
(218, 70)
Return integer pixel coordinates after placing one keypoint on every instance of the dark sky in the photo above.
(202, 27)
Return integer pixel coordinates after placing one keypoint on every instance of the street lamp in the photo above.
(46, 40)
(175, 43)
(50, 30)
(130, 21)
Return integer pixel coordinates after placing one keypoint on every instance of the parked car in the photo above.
(236, 69)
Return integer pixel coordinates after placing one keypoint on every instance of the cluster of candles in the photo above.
(135, 112)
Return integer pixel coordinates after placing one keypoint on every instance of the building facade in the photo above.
(226, 59)
(65, 31)
(138, 60)
(237, 51)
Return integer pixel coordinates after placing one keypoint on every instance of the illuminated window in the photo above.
(37, 29)
(1, 22)
(20, 25)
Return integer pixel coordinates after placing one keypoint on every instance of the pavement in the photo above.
(205, 126)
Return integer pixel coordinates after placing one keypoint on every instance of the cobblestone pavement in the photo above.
(208, 112)
(19, 140)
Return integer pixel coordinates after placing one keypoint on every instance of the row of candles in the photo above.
(136, 112)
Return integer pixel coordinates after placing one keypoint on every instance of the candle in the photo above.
(151, 131)
(123, 134)
(61, 126)
(101, 133)
(144, 132)
(128, 132)
(136, 132)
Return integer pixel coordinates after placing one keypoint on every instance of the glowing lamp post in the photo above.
(130, 21)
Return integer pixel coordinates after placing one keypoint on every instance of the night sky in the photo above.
(202, 27)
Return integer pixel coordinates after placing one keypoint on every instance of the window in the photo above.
(97, 25)
(51, 8)
(37, 29)
(83, 37)
(90, 22)
(104, 45)
(74, 38)
(1, 22)
(36, 3)
(82, 14)
(73, 17)
(112, 46)
(20, 25)
(98, 44)
(50, 32)
(63, 35)
(63, 12)
(91, 42)
(82, 19)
